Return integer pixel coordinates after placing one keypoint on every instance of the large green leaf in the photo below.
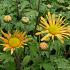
(26, 60)
(48, 66)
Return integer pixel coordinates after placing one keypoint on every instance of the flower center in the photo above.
(14, 42)
(54, 29)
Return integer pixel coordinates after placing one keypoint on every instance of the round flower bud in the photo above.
(25, 19)
(49, 6)
(43, 46)
(7, 18)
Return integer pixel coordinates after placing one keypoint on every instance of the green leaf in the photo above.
(31, 14)
(26, 68)
(5, 56)
(10, 66)
(62, 63)
(43, 8)
(48, 66)
(34, 49)
(34, 4)
(24, 4)
(60, 1)
(8, 61)
(26, 60)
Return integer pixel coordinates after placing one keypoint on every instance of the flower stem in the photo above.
(17, 9)
(17, 61)
(49, 48)
(37, 20)
(49, 52)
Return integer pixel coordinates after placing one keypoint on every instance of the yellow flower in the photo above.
(54, 27)
(7, 18)
(12, 41)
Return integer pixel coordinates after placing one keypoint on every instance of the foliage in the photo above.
(31, 57)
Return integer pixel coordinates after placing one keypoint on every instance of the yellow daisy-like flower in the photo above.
(54, 27)
(12, 41)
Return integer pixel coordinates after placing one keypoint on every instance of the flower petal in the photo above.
(53, 38)
(60, 38)
(38, 33)
(44, 22)
(49, 18)
(5, 40)
(6, 46)
(46, 37)
(4, 49)
(12, 50)
(6, 35)
(53, 19)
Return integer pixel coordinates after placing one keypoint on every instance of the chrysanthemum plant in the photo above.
(53, 28)
(22, 49)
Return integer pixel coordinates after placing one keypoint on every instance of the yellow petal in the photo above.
(5, 48)
(53, 38)
(57, 20)
(49, 18)
(60, 38)
(6, 45)
(65, 36)
(21, 46)
(43, 26)
(60, 21)
(6, 35)
(38, 33)
(63, 21)
(53, 19)
(5, 40)
(44, 22)
(63, 26)
(12, 50)
(24, 33)
(46, 37)
(9, 33)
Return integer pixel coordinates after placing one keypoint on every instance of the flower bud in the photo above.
(25, 19)
(7, 18)
(49, 6)
(43, 46)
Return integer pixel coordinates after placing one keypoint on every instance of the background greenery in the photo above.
(31, 58)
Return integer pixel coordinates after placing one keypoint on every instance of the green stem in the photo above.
(17, 9)
(49, 52)
(49, 48)
(37, 20)
(17, 61)
(39, 39)
(30, 3)
(39, 1)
